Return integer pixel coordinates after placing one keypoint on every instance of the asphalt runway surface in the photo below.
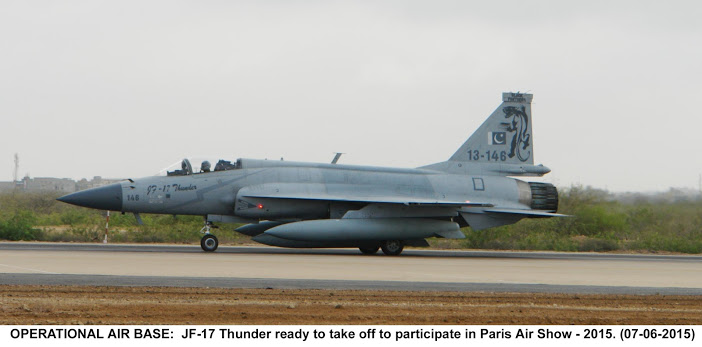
(267, 267)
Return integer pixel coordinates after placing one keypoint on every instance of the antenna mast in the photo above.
(14, 177)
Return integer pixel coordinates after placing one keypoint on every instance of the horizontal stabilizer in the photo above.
(495, 217)
(481, 221)
(526, 213)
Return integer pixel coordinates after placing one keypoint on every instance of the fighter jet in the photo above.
(312, 205)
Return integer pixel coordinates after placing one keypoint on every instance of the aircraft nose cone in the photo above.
(108, 198)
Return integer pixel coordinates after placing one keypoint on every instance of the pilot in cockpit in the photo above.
(205, 166)
(223, 165)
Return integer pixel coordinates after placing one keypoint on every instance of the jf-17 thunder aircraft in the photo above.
(314, 205)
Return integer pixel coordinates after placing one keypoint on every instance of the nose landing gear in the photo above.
(209, 242)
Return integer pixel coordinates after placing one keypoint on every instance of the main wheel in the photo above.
(209, 243)
(369, 250)
(392, 247)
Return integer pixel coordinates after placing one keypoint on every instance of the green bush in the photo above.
(600, 223)
(19, 226)
(597, 245)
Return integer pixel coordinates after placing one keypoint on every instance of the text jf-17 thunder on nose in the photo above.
(310, 205)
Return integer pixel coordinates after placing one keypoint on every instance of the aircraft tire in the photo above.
(392, 247)
(209, 243)
(369, 250)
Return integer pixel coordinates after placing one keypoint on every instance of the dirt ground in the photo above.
(166, 305)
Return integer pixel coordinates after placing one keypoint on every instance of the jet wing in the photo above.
(348, 193)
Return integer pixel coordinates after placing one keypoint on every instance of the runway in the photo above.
(267, 267)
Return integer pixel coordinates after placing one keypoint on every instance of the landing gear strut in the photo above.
(209, 242)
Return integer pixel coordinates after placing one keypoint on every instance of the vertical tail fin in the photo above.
(505, 137)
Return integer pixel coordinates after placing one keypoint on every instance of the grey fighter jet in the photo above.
(307, 205)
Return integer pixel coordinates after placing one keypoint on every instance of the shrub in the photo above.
(19, 226)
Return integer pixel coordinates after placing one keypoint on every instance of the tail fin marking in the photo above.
(505, 137)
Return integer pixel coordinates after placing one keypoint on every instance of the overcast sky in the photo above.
(124, 88)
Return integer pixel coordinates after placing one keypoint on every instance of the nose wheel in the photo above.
(209, 242)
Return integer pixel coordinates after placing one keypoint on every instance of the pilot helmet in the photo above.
(205, 166)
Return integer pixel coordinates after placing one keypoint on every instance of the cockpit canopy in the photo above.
(198, 166)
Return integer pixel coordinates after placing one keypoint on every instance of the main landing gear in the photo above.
(390, 247)
(209, 242)
(369, 250)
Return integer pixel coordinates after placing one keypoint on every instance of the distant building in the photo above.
(7, 186)
(97, 181)
(51, 184)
